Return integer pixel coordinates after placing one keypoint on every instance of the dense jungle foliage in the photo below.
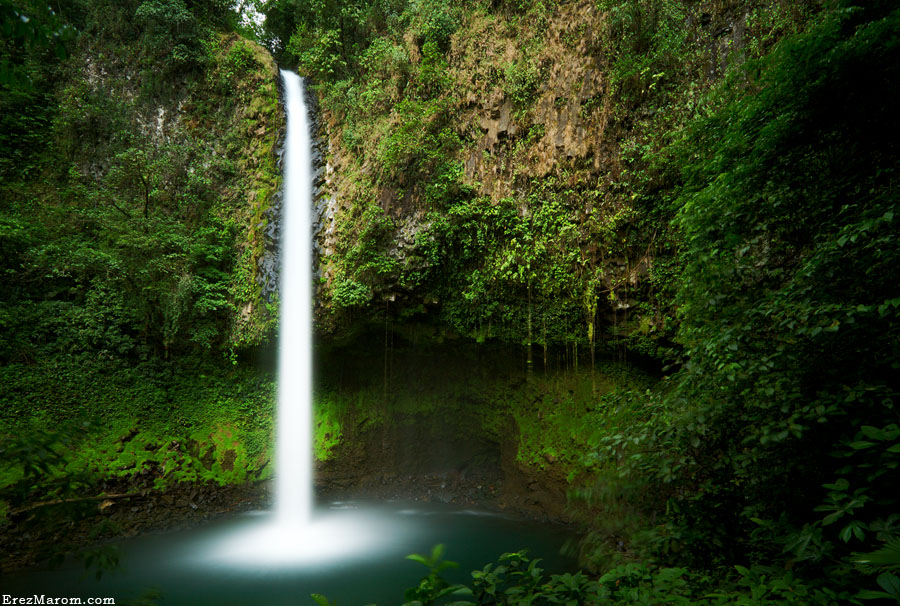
(709, 188)
(137, 157)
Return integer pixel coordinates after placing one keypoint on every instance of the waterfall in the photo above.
(290, 537)
(294, 449)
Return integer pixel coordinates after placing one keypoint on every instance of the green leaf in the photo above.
(861, 445)
(744, 572)
(832, 518)
(320, 599)
(437, 552)
(415, 557)
(869, 594)
(874, 433)
(890, 583)
(853, 529)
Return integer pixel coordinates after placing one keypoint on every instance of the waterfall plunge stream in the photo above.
(293, 483)
(292, 535)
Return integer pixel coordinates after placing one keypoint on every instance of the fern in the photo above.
(886, 559)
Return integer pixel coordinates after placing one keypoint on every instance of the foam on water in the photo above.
(339, 536)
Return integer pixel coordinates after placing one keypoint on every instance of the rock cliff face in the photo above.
(564, 112)
(543, 126)
(268, 262)
(196, 148)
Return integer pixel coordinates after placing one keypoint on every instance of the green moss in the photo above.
(328, 411)
(551, 418)
(177, 422)
(558, 415)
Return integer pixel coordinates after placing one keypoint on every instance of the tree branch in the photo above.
(41, 504)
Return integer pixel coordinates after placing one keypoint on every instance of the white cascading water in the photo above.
(290, 537)
(294, 449)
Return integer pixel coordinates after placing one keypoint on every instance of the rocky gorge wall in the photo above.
(500, 181)
(498, 186)
(399, 416)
